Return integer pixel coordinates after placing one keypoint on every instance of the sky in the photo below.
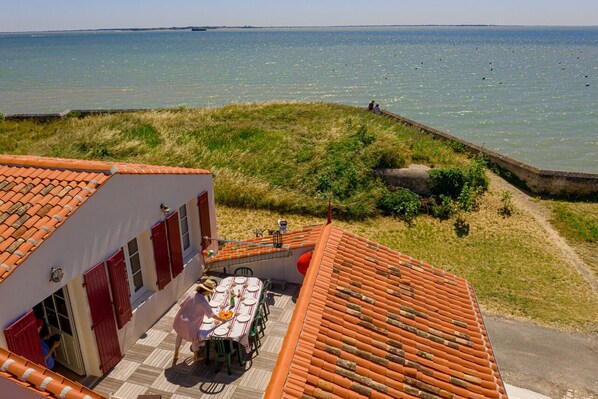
(40, 15)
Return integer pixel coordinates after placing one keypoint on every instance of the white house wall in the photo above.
(277, 268)
(126, 206)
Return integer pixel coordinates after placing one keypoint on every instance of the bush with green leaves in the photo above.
(451, 181)
(441, 207)
(401, 203)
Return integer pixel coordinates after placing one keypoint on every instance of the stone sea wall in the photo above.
(538, 181)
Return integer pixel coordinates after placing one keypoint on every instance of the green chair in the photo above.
(264, 306)
(261, 322)
(254, 337)
(226, 348)
(243, 271)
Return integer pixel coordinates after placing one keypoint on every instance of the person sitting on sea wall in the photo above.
(377, 109)
(371, 106)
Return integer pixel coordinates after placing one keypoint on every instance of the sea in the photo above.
(527, 92)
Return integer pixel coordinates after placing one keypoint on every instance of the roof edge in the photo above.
(51, 163)
(285, 356)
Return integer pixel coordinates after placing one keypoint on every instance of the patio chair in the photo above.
(243, 271)
(254, 337)
(261, 322)
(264, 306)
(226, 348)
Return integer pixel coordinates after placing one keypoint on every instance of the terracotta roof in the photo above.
(96, 166)
(40, 380)
(38, 194)
(305, 237)
(371, 322)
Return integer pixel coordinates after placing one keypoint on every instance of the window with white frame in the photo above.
(184, 224)
(134, 272)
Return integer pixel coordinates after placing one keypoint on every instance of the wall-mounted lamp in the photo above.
(164, 209)
(56, 274)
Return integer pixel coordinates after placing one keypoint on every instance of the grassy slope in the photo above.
(578, 223)
(273, 156)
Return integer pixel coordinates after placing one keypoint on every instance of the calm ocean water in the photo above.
(528, 92)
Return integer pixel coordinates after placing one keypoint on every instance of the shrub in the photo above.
(507, 206)
(448, 181)
(452, 181)
(402, 203)
(442, 208)
(468, 199)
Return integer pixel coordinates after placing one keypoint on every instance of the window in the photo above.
(134, 273)
(185, 238)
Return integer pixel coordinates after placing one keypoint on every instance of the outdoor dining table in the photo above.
(244, 311)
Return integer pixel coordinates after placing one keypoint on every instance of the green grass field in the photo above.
(284, 160)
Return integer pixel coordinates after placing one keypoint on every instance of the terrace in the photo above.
(147, 368)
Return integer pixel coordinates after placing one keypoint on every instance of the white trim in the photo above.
(64, 392)
(26, 374)
(45, 383)
(6, 364)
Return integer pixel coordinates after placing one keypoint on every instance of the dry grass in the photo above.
(513, 270)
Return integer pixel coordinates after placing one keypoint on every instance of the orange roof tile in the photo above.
(38, 194)
(40, 380)
(371, 322)
(305, 237)
(78, 165)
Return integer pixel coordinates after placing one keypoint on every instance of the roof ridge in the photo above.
(286, 353)
(37, 161)
(40, 379)
(83, 165)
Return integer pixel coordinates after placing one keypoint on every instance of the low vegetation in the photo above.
(288, 160)
(578, 223)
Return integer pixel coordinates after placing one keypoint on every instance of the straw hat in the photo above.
(207, 286)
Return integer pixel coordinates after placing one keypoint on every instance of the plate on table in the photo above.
(220, 331)
(239, 280)
(215, 304)
(250, 301)
(243, 318)
(253, 288)
(208, 320)
(221, 288)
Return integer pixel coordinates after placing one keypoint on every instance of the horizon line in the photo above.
(214, 27)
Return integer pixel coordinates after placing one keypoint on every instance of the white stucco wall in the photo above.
(126, 206)
(278, 268)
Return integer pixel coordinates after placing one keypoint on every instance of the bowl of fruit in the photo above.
(226, 314)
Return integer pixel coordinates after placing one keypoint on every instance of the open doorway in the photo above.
(57, 314)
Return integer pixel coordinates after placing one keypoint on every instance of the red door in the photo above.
(204, 218)
(23, 339)
(174, 242)
(160, 244)
(120, 288)
(102, 317)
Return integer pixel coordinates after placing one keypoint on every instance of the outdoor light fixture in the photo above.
(277, 239)
(164, 209)
(56, 274)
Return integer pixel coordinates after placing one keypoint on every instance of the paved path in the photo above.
(558, 364)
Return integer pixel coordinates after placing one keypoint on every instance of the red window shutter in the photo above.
(22, 338)
(102, 318)
(160, 244)
(120, 288)
(174, 241)
(204, 218)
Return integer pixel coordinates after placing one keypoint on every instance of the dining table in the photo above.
(246, 292)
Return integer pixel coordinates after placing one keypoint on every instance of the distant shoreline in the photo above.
(207, 27)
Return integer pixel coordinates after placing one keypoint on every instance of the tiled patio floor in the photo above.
(147, 367)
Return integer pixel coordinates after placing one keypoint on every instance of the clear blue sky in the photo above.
(26, 15)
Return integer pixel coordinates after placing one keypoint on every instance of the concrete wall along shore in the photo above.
(538, 181)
